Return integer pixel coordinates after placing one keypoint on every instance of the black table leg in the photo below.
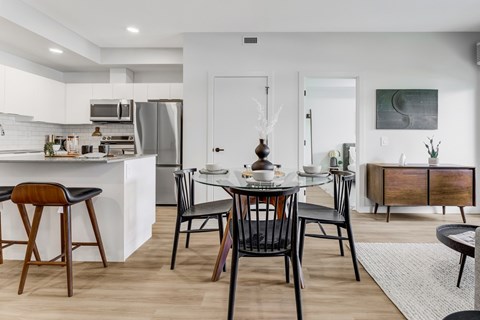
(462, 265)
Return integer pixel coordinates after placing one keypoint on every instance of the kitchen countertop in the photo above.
(41, 158)
(20, 151)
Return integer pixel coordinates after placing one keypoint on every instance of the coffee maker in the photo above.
(61, 141)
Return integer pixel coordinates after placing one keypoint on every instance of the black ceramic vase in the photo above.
(262, 151)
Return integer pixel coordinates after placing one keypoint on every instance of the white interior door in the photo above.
(233, 120)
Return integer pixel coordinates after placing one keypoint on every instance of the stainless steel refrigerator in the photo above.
(158, 130)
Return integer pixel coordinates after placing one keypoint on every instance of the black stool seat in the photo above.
(52, 194)
(311, 206)
(75, 195)
(209, 208)
(5, 193)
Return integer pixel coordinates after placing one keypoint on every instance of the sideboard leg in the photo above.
(388, 213)
(443, 210)
(463, 215)
(376, 208)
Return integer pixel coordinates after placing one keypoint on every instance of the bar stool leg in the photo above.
(28, 228)
(62, 236)
(31, 243)
(67, 229)
(98, 237)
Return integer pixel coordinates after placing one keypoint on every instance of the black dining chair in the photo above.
(264, 224)
(338, 216)
(188, 211)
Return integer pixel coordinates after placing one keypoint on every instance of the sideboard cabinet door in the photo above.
(451, 187)
(405, 187)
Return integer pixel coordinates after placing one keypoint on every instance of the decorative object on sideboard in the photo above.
(432, 151)
(264, 128)
(407, 109)
(97, 132)
(334, 161)
(403, 160)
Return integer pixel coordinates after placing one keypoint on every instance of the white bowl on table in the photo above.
(263, 175)
(312, 168)
(213, 167)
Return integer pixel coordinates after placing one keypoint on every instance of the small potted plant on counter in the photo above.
(432, 151)
(48, 149)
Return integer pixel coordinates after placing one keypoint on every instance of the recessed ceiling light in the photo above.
(56, 50)
(132, 29)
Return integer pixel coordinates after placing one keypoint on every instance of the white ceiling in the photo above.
(85, 28)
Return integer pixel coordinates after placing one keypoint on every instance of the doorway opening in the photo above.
(329, 130)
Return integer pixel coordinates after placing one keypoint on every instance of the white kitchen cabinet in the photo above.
(176, 90)
(140, 92)
(123, 91)
(78, 97)
(51, 101)
(102, 91)
(158, 91)
(2, 88)
(32, 95)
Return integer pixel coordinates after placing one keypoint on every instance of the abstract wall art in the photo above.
(407, 109)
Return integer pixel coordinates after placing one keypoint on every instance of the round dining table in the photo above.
(240, 178)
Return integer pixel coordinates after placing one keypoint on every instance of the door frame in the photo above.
(211, 107)
(359, 118)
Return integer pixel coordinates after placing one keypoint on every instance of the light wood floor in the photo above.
(144, 287)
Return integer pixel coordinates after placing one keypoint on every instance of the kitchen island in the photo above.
(125, 209)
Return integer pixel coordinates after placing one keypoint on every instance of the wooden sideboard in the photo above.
(421, 185)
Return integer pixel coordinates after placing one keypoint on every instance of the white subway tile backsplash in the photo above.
(32, 135)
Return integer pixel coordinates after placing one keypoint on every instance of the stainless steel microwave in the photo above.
(111, 110)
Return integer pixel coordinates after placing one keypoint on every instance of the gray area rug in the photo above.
(419, 278)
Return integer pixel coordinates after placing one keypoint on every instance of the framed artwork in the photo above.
(407, 109)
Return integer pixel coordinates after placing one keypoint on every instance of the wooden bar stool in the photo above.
(5, 194)
(54, 194)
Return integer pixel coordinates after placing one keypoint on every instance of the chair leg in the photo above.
(340, 241)
(233, 283)
(96, 231)
(287, 270)
(175, 242)
(26, 224)
(301, 238)
(1, 243)
(187, 242)
(296, 281)
(353, 252)
(31, 243)
(220, 233)
(67, 230)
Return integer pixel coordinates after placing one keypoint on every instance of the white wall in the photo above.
(443, 61)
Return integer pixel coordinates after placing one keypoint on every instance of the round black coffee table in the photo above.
(445, 230)
(464, 315)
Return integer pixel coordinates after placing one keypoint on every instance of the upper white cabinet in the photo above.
(78, 97)
(140, 92)
(176, 91)
(159, 91)
(123, 90)
(32, 95)
(102, 91)
(2, 88)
